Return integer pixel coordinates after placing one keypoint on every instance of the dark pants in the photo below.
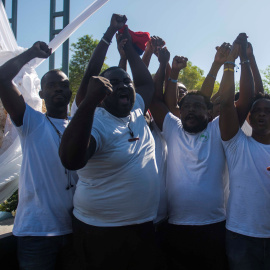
(45, 252)
(126, 247)
(196, 247)
(248, 253)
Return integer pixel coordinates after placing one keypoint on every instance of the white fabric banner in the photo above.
(28, 83)
(72, 27)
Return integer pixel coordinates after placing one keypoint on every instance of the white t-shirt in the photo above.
(119, 184)
(248, 210)
(195, 173)
(161, 159)
(247, 128)
(45, 205)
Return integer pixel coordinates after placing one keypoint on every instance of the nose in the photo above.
(261, 113)
(59, 88)
(122, 85)
(191, 108)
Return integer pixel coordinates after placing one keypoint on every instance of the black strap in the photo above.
(55, 128)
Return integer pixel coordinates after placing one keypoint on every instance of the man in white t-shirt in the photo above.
(112, 148)
(195, 183)
(43, 219)
(248, 213)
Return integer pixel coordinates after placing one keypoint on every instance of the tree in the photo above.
(82, 52)
(266, 79)
(192, 77)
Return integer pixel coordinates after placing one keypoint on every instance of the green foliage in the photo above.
(266, 79)
(82, 52)
(10, 204)
(192, 77)
(237, 86)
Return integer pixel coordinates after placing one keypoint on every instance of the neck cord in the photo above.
(69, 185)
(130, 130)
(128, 126)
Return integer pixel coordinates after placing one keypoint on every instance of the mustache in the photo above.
(191, 115)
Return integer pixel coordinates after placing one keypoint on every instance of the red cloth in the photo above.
(140, 39)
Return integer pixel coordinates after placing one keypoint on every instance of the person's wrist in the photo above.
(148, 51)
(163, 64)
(174, 73)
(251, 57)
(230, 59)
(216, 66)
(108, 35)
(243, 57)
(31, 53)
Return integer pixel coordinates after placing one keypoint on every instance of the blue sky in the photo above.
(192, 28)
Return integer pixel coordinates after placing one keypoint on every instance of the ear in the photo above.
(41, 94)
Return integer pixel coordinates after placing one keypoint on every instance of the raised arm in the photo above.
(11, 97)
(220, 58)
(246, 91)
(228, 121)
(77, 145)
(232, 116)
(142, 78)
(158, 108)
(170, 96)
(152, 47)
(98, 57)
(120, 46)
(255, 71)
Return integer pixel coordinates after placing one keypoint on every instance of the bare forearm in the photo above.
(227, 87)
(256, 76)
(209, 82)
(12, 67)
(123, 64)
(170, 95)
(159, 82)
(246, 92)
(74, 145)
(95, 63)
(141, 74)
(147, 57)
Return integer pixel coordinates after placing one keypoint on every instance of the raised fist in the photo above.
(40, 49)
(179, 62)
(118, 21)
(98, 88)
(222, 53)
(154, 44)
(242, 41)
(163, 55)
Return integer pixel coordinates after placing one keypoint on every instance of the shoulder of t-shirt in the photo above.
(170, 123)
(239, 137)
(74, 108)
(31, 120)
(139, 103)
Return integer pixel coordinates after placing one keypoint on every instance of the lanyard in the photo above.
(69, 185)
(55, 128)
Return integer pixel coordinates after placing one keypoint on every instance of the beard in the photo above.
(202, 124)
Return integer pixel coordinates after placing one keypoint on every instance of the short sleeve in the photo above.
(139, 103)
(232, 145)
(31, 121)
(74, 108)
(170, 123)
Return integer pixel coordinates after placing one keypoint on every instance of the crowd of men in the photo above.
(140, 177)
